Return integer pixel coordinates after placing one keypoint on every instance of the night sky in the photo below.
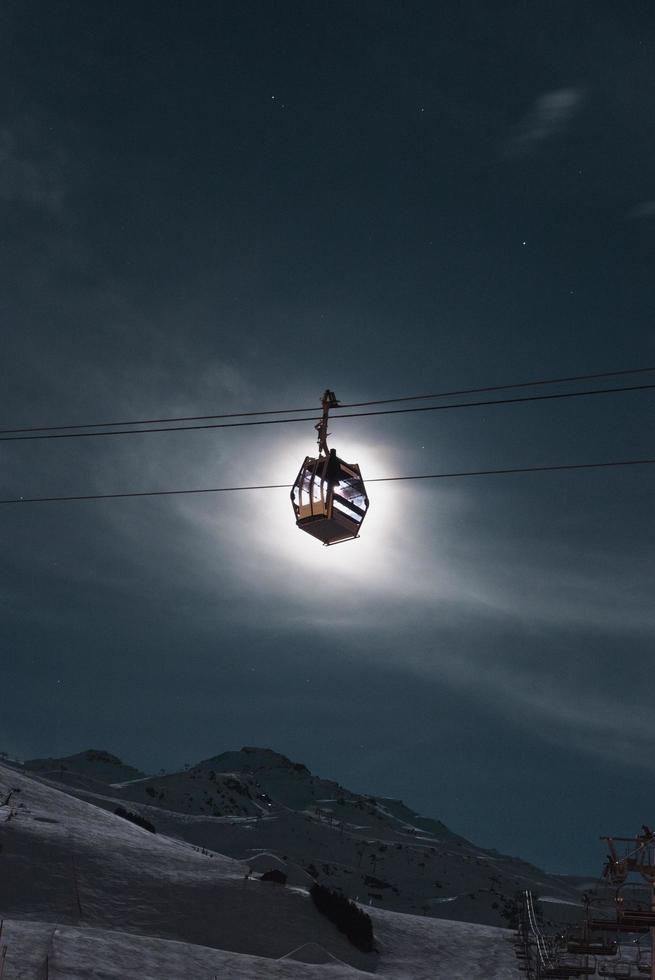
(222, 206)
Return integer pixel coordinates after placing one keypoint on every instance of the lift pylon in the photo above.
(634, 855)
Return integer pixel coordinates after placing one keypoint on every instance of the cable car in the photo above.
(329, 498)
(328, 495)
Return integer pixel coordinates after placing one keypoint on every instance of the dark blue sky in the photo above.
(222, 206)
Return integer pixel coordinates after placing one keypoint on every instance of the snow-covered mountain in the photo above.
(375, 850)
(94, 763)
(84, 892)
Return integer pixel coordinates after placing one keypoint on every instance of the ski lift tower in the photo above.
(638, 857)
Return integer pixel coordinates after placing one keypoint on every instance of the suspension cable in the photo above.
(379, 479)
(343, 415)
(288, 411)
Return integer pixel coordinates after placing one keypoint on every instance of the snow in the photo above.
(418, 948)
(380, 852)
(75, 953)
(412, 950)
(263, 861)
(100, 896)
(311, 953)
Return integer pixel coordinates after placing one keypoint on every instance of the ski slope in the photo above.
(99, 896)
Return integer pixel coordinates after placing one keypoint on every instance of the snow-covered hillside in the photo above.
(377, 851)
(95, 763)
(93, 892)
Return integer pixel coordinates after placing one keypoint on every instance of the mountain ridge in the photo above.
(97, 763)
(373, 849)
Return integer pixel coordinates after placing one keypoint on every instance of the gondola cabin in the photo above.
(329, 498)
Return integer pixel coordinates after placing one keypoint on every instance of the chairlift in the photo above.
(643, 962)
(590, 948)
(564, 969)
(640, 916)
(564, 972)
(328, 495)
(582, 944)
(613, 969)
(621, 971)
(622, 967)
(630, 925)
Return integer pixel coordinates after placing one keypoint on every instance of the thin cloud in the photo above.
(644, 210)
(593, 721)
(549, 116)
(577, 714)
(31, 171)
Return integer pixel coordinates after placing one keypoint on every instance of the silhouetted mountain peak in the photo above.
(97, 764)
(253, 759)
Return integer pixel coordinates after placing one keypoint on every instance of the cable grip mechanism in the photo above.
(328, 401)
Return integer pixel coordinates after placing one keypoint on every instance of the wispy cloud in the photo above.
(548, 117)
(31, 168)
(595, 721)
(646, 209)
(532, 627)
